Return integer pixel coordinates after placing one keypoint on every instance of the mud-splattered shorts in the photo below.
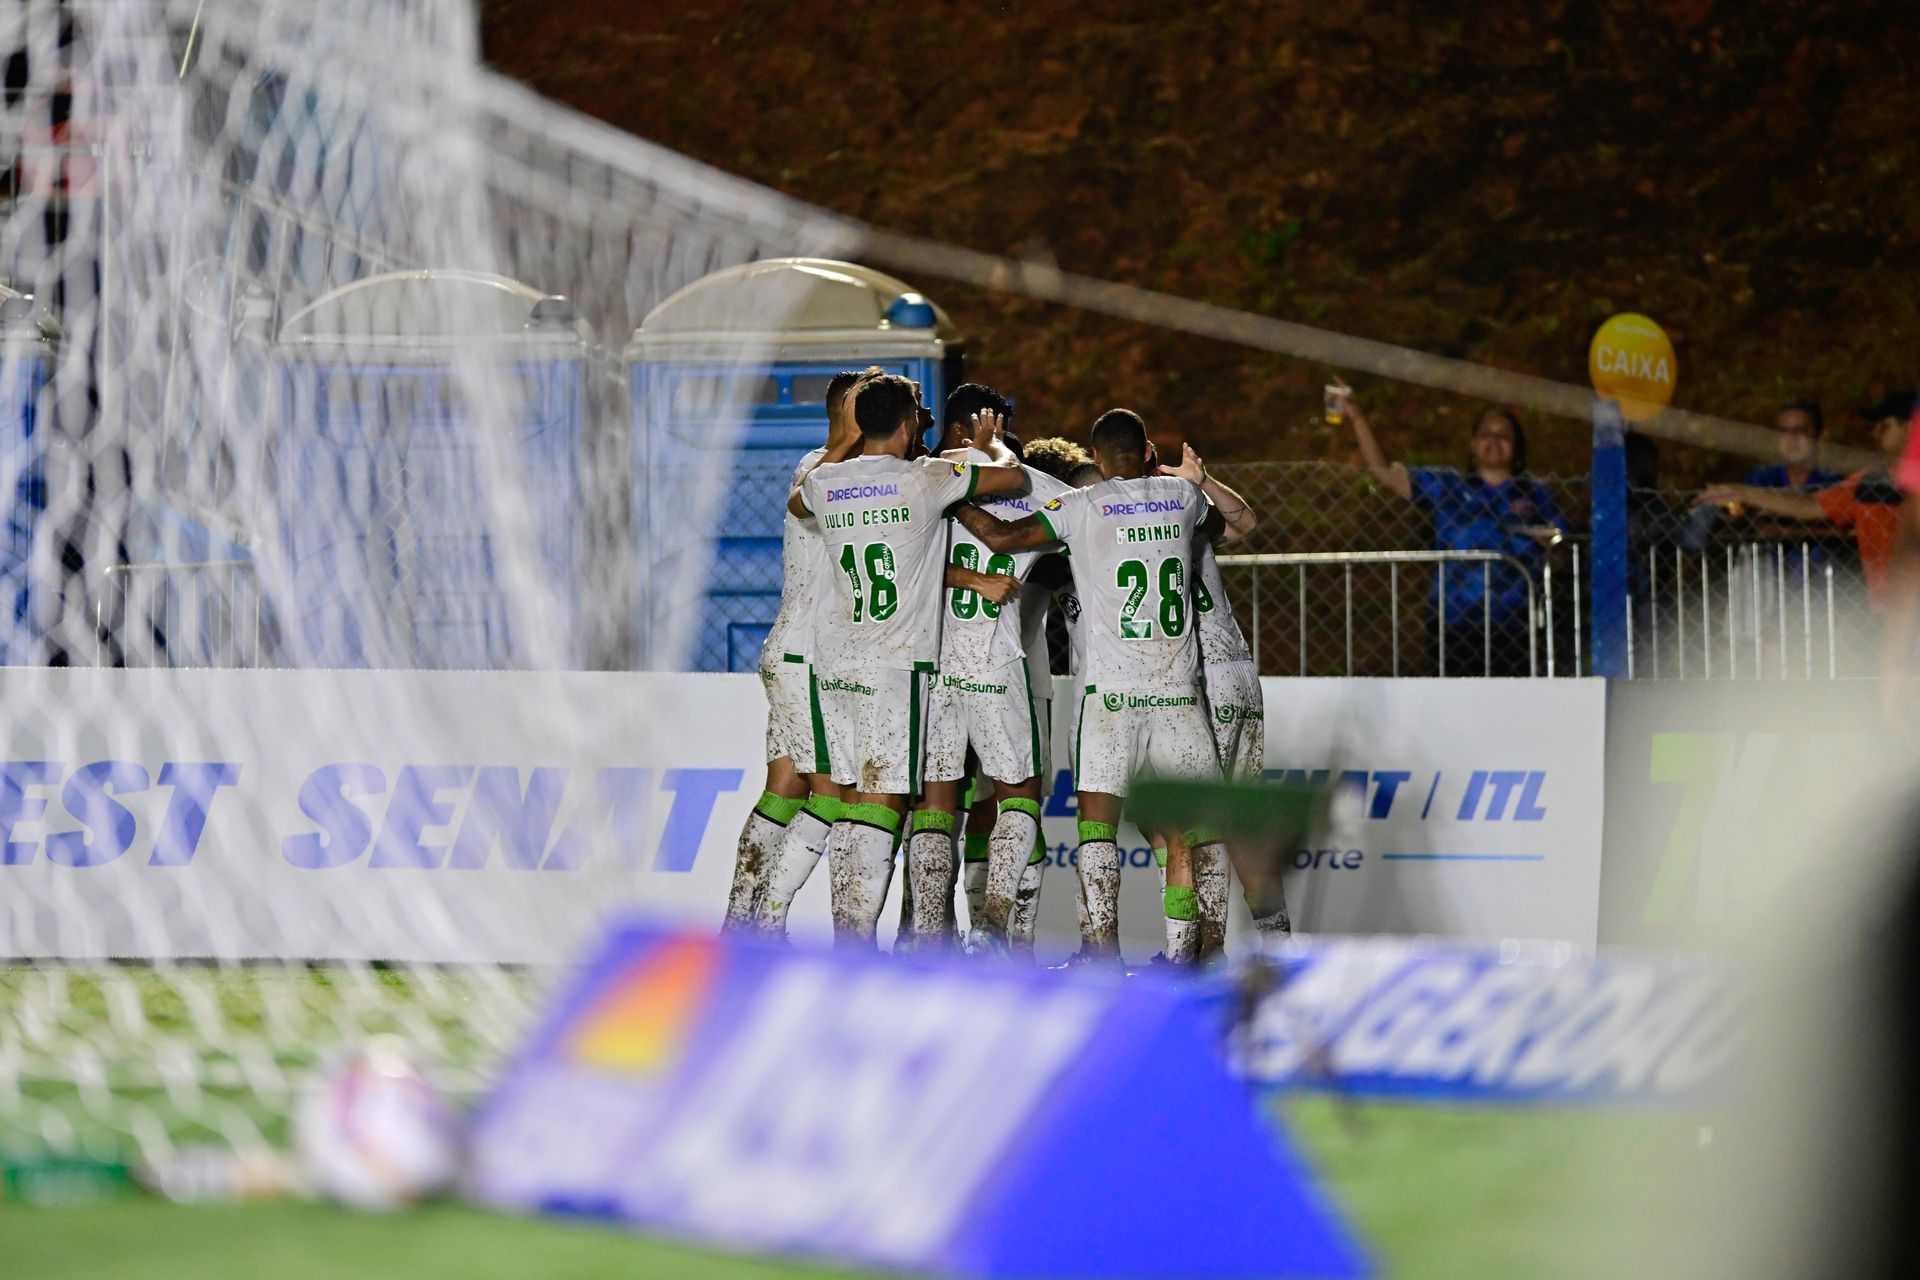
(794, 727)
(876, 722)
(1125, 733)
(1239, 719)
(996, 714)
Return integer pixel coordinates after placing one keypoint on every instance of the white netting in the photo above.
(315, 358)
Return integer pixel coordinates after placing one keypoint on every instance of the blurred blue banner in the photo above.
(1520, 1022)
(958, 1119)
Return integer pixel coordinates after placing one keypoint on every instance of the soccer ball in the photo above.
(373, 1134)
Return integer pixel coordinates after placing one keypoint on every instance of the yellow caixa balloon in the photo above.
(1631, 361)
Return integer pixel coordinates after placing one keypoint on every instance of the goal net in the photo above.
(316, 416)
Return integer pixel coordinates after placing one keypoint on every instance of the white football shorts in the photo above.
(1239, 719)
(997, 715)
(794, 726)
(1127, 733)
(875, 728)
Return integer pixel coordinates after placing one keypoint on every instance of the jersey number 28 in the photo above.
(876, 599)
(1133, 577)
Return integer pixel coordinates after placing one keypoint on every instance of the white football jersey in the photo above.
(803, 581)
(978, 635)
(883, 520)
(1220, 638)
(1132, 546)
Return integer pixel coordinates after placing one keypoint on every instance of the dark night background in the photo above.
(1486, 182)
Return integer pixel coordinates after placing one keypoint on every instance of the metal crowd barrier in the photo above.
(1753, 610)
(1302, 561)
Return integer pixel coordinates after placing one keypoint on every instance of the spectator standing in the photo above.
(1867, 502)
(1799, 428)
(1482, 623)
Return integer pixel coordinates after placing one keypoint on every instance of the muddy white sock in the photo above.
(1210, 885)
(1100, 887)
(859, 868)
(1026, 902)
(795, 859)
(1008, 850)
(930, 872)
(766, 826)
(1183, 923)
(973, 873)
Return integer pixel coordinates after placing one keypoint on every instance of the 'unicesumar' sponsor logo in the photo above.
(1132, 533)
(1114, 701)
(863, 491)
(839, 684)
(870, 516)
(1227, 713)
(965, 685)
(1148, 506)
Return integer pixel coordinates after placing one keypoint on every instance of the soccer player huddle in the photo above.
(909, 689)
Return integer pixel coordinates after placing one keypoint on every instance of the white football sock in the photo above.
(1210, 884)
(859, 868)
(759, 838)
(795, 859)
(1008, 849)
(931, 869)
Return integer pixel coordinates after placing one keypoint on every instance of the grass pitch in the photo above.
(1433, 1192)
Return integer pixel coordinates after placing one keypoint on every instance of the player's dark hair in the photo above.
(968, 399)
(1512, 419)
(882, 404)
(1014, 447)
(1080, 471)
(1056, 456)
(841, 383)
(1811, 407)
(1119, 433)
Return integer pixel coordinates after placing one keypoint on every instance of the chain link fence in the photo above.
(1344, 577)
(1358, 588)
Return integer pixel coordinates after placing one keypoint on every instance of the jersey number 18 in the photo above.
(876, 599)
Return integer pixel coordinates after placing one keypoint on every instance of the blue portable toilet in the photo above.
(391, 545)
(729, 380)
(26, 368)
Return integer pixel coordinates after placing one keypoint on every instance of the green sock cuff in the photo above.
(1202, 835)
(971, 795)
(1182, 903)
(1019, 804)
(932, 820)
(1091, 831)
(777, 808)
(976, 846)
(874, 815)
(1039, 849)
(826, 808)
(1160, 856)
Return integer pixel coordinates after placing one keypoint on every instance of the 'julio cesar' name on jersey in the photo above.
(882, 519)
(1132, 547)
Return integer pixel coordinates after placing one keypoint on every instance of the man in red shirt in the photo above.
(1902, 610)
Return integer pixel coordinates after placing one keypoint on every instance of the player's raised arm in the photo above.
(1004, 535)
(1231, 518)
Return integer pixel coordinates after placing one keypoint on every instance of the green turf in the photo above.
(1433, 1192)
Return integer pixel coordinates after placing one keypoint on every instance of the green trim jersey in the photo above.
(979, 637)
(803, 582)
(1220, 638)
(1132, 546)
(883, 520)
